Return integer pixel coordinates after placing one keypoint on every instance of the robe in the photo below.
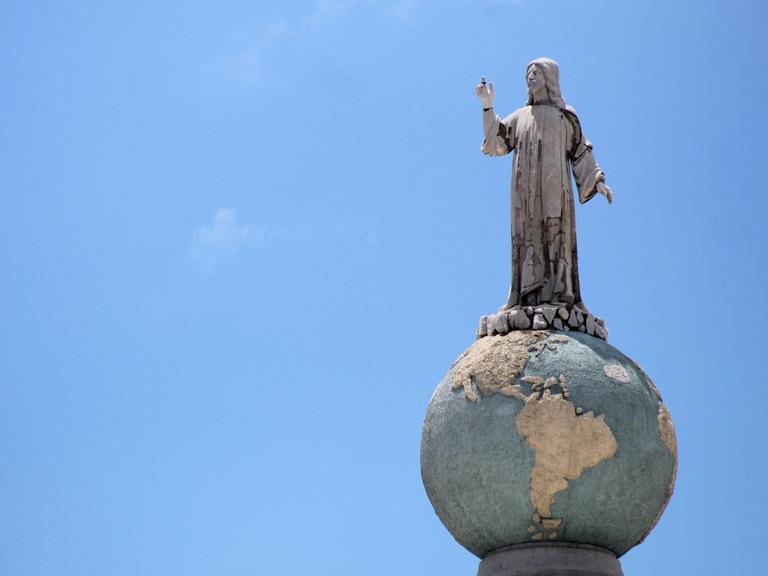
(549, 146)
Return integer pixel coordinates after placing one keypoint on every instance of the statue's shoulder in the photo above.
(571, 110)
(570, 113)
(523, 112)
(515, 116)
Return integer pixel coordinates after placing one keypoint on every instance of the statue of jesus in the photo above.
(549, 144)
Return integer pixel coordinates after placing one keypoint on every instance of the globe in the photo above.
(547, 437)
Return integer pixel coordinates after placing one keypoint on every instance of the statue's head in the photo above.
(543, 79)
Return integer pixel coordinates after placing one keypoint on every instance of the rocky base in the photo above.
(561, 317)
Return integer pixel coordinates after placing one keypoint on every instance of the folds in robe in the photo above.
(549, 146)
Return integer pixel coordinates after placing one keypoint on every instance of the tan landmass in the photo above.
(667, 430)
(493, 363)
(565, 445)
(565, 440)
(669, 438)
(617, 372)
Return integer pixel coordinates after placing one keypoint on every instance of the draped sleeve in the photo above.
(499, 135)
(586, 172)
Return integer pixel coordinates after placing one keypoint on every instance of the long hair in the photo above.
(551, 73)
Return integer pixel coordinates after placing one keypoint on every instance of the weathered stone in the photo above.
(482, 329)
(539, 323)
(579, 316)
(601, 332)
(563, 312)
(491, 319)
(616, 372)
(495, 363)
(573, 320)
(557, 324)
(549, 313)
(529, 310)
(591, 325)
(501, 324)
(519, 320)
(582, 329)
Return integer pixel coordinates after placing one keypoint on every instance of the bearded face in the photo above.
(543, 79)
(537, 86)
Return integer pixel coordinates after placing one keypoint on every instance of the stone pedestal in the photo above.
(550, 559)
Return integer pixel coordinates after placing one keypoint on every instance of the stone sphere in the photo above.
(541, 436)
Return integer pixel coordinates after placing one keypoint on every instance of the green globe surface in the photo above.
(541, 436)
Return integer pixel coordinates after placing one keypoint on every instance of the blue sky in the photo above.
(241, 243)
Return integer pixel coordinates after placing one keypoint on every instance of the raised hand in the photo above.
(485, 93)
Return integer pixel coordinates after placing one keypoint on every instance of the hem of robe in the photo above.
(520, 295)
(577, 305)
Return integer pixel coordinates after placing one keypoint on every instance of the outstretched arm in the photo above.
(590, 178)
(497, 141)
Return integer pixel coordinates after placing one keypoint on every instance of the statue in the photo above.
(545, 450)
(548, 143)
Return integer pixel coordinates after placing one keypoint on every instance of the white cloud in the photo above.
(224, 237)
(326, 10)
(261, 43)
(247, 64)
(405, 10)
